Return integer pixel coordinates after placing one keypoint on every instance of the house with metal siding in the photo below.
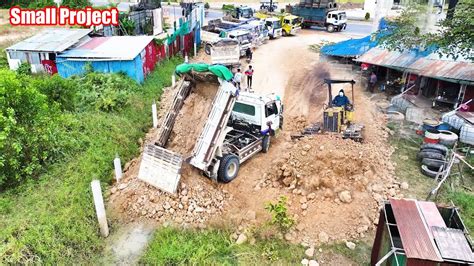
(135, 56)
(41, 50)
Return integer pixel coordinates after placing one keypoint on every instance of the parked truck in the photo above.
(239, 125)
(215, 31)
(240, 12)
(226, 52)
(329, 18)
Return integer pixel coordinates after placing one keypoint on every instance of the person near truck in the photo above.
(249, 74)
(238, 78)
(341, 99)
(248, 54)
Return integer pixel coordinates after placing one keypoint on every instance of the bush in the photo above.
(279, 214)
(24, 69)
(104, 92)
(76, 4)
(32, 131)
(367, 16)
(41, 3)
(206, 5)
(58, 90)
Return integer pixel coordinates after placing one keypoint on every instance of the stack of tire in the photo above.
(433, 159)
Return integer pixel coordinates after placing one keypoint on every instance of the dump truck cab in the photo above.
(336, 21)
(291, 24)
(244, 37)
(242, 12)
(259, 111)
(273, 26)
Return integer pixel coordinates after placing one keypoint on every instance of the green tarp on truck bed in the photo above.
(218, 70)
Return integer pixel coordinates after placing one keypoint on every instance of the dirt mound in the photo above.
(191, 119)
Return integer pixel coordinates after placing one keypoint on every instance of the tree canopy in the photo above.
(453, 37)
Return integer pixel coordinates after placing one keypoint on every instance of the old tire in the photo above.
(447, 137)
(430, 155)
(330, 28)
(427, 172)
(228, 168)
(433, 163)
(439, 147)
(207, 49)
(266, 144)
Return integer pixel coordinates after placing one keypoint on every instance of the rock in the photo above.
(350, 245)
(304, 206)
(404, 157)
(241, 239)
(309, 252)
(122, 186)
(113, 190)
(235, 236)
(250, 215)
(303, 200)
(323, 237)
(166, 205)
(345, 196)
(313, 263)
(404, 185)
(300, 227)
(307, 147)
(321, 148)
(304, 262)
(199, 209)
(288, 237)
(311, 196)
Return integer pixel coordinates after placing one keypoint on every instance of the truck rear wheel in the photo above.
(228, 168)
(266, 144)
(207, 49)
(330, 28)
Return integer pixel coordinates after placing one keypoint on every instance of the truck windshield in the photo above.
(342, 16)
(276, 24)
(296, 21)
(247, 13)
(244, 109)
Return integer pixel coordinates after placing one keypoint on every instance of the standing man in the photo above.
(249, 74)
(238, 78)
(248, 54)
(372, 81)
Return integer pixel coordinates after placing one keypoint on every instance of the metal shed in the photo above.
(134, 55)
(411, 232)
(40, 51)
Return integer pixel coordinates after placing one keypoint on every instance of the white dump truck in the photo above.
(239, 125)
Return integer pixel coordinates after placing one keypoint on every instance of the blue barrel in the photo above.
(443, 126)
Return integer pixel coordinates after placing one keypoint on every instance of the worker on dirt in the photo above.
(341, 99)
(238, 78)
(249, 74)
(248, 54)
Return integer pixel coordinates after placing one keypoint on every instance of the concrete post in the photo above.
(186, 59)
(173, 79)
(154, 114)
(195, 49)
(100, 208)
(118, 168)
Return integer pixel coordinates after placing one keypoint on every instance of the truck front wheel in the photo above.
(228, 168)
(266, 144)
(330, 28)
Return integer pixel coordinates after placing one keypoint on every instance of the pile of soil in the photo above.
(198, 198)
(192, 118)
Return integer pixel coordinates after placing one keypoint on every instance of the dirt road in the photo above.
(334, 186)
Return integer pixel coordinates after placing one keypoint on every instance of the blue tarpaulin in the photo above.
(353, 47)
(349, 48)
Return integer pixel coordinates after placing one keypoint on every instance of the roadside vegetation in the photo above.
(56, 136)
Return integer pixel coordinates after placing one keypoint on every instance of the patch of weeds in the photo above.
(280, 217)
(317, 46)
(360, 255)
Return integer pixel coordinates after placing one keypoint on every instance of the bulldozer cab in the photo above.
(340, 118)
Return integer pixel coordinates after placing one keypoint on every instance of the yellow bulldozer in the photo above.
(339, 118)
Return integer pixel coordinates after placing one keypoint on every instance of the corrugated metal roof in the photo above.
(452, 244)
(431, 214)
(456, 70)
(383, 57)
(416, 238)
(109, 48)
(51, 40)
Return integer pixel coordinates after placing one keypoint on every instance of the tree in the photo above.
(76, 4)
(453, 37)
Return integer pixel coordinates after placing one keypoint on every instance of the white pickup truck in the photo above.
(239, 125)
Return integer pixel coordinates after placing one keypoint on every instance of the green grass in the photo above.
(52, 220)
(359, 256)
(172, 246)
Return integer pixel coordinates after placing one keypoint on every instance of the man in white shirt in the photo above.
(238, 78)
